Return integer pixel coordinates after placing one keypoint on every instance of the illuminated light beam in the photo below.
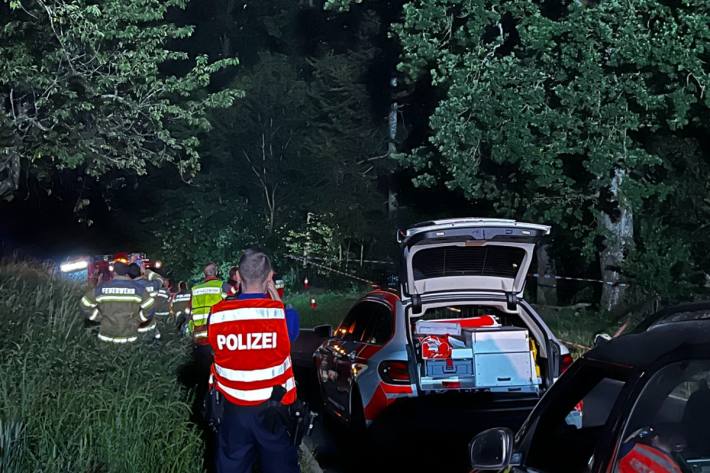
(73, 266)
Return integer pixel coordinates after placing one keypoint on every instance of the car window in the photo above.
(352, 326)
(683, 316)
(368, 322)
(379, 329)
(568, 431)
(669, 426)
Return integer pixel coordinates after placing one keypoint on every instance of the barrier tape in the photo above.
(576, 346)
(353, 261)
(308, 261)
(312, 262)
(568, 278)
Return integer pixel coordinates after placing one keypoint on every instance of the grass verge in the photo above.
(71, 403)
(330, 309)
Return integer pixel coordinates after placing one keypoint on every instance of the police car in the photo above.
(646, 402)
(458, 324)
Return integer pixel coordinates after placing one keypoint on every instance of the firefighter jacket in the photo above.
(180, 304)
(120, 306)
(203, 297)
(252, 351)
(151, 287)
(162, 303)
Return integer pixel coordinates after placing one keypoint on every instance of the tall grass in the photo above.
(69, 403)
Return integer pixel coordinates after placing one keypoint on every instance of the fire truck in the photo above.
(93, 269)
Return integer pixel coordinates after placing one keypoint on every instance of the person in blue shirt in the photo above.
(292, 317)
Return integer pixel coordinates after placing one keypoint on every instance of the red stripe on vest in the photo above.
(249, 338)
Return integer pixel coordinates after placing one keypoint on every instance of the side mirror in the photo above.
(491, 449)
(601, 338)
(323, 331)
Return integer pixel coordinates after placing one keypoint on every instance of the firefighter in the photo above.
(152, 283)
(162, 300)
(119, 306)
(250, 335)
(180, 306)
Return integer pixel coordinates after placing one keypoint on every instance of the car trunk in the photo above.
(477, 348)
(470, 255)
(468, 346)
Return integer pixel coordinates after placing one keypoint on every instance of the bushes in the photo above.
(71, 403)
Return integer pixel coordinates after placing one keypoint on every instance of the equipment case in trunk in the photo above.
(496, 359)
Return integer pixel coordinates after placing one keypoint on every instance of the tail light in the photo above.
(565, 362)
(395, 372)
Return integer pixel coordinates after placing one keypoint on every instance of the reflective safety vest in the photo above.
(252, 351)
(644, 458)
(203, 297)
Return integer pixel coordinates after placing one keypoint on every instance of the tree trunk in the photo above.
(9, 173)
(619, 240)
(392, 201)
(546, 272)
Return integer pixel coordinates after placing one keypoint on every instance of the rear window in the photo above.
(685, 316)
(488, 260)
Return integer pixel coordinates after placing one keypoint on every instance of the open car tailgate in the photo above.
(464, 255)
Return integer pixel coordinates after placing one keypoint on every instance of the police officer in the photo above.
(180, 305)
(250, 335)
(119, 306)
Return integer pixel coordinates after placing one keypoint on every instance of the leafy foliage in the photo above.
(81, 87)
(544, 103)
(211, 226)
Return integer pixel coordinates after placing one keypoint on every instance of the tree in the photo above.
(303, 139)
(82, 87)
(548, 109)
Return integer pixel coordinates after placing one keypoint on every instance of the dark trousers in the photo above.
(243, 440)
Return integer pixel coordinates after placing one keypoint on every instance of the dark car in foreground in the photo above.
(675, 313)
(646, 404)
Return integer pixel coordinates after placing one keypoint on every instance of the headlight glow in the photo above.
(158, 264)
(73, 266)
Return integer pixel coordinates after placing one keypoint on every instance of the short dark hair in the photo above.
(210, 270)
(233, 272)
(182, 285)
(134, 271)
(120, 268)
(254, 266)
